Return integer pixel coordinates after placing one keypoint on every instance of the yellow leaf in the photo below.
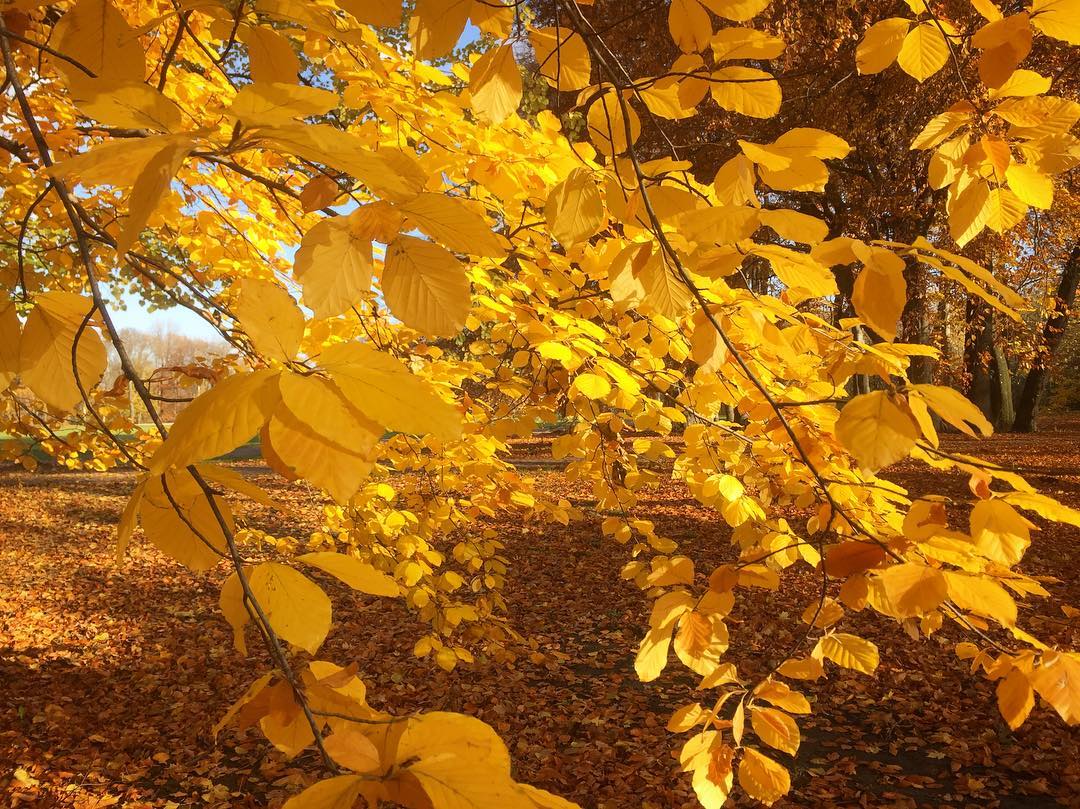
(297, 608)
(968, 211)
(1057, 680)
(45, 351)
(562, 56)
(910, 589)
(880, 290)
(923, 52)
(653, 651)
(126, 527)
(321, 406)
(350, 748)
(1045, 507)
(721, 224)
(339, 792)
(881, 44)
(1000, 533)
(273, 103)
(433, 733)
(426, 286)
(795, 226)
(666, 97)
(1015, 698)
(849, 651)
(782, 696)
(689, 25)
(460, 763)
(714, 778)
(438, 26)
(270, 317)
(1004, 209)
(284, 723)
(747, 90)
(734, 181)
(181, 521)
(559, 352)
(253, 691)
(574, 209)
(738, 722)
(808, 668)
(151, 186)
(454, 223)
(804, 277)
(271, 57)
(541, 799)
(707, 349)
(1030, 185)
(495, 84)
(745, 43)
(1059, 19)
(608, 125)
(350, 570)
(955, 408)
(127, 105)
(664, 292)
(823, 613)
(800, 143)
(333, 265)
(450, 785)
(776, 729)
(1022, 83)
(804, 174)
(849, 558)
(374, 12)
(318, 193)
(686, 718)
(391, 173)
(117, 162)
(219, 420)
(1004, 43)
(763, 779)
(981, 596)
(876, 430)
(291, 447)
(593, 386)
(701, 640)
(231, 602)
(387, 393)
(97, 36)
(10, 335)
(987, 9)
(737, 10)
(239, 484)
(941, 127)
(757, 575)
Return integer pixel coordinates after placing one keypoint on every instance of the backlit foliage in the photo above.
(410, 273)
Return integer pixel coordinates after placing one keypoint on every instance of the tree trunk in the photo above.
(915, 321)
(1027, 410)
(1001, 394)
(978, 348)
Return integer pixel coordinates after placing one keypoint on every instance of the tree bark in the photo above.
(915, 321)
(1027, 410)
(1002, 393)
(978, 348)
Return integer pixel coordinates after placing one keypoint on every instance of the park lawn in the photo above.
(111, 676)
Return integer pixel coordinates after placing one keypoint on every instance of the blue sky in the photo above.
(177, 320)
(182, 321)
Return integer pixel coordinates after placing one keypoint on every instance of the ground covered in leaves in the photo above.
(111, 676)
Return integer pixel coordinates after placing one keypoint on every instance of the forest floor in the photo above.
(111, 676)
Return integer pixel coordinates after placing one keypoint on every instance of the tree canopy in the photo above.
(425, 230)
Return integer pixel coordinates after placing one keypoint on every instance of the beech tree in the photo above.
(409, 273)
